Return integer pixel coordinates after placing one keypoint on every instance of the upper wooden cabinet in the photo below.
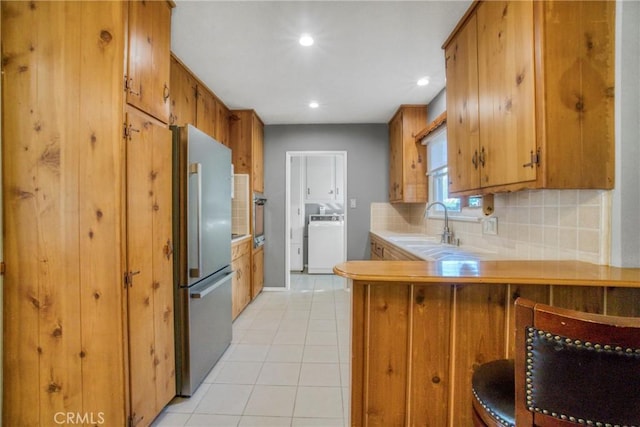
(193, 103)
(184, 88)
(246, 135)
(530, 96)
(407, 160)
(147, 78)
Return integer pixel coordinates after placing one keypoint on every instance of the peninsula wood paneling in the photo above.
(623, 302)
(428, 386)
(62, 188)
(477, 337)
(581, 298)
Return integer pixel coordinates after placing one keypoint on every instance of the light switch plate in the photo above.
(490, 226)
(352, 203)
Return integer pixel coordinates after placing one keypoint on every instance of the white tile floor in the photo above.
(288, 363)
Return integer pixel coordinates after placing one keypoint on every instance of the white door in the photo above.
(296, 215)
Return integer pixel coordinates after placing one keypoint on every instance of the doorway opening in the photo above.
(316, 193)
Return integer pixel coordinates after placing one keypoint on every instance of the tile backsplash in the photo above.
(240, 204)
(535, 224)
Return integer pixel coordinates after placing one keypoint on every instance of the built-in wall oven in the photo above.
(258, 219)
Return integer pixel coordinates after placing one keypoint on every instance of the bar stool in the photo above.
(570, 368)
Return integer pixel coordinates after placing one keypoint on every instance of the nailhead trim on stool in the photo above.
(497, 417)
(568, 342)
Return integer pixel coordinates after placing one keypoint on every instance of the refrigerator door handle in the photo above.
(201, 293)
(196, 169)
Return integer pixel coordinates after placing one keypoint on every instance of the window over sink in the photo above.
(437, 171)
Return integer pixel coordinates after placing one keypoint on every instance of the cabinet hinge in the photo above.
(535, 159)
(128, 131)
(2, 268)
(126, 83)
(128, 278)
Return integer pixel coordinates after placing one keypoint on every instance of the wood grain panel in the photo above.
(359, 350)
(414, 158)
(428, 388)
(578, 40)
(478, 337)
(582, 298)
(623, 302)
(240, 134)
(100, 150)
(536, 293)
(386, 366)
(51, 352)
(463, 135)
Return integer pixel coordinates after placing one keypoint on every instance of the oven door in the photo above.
(258, 220)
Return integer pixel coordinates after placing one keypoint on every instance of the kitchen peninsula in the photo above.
(420, 328)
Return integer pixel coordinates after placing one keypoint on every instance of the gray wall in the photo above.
(437, 105)
(367, 147)
(625, 233)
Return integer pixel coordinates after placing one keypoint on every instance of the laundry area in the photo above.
(317, 223)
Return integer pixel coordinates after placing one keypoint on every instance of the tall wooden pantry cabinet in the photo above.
(86, 151)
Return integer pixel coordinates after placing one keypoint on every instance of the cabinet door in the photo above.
(296, 257)
(257, 154)
(461, 59)
(257, 280)
(320, 177)
(395, 159)
(183, 95)
(206, 112)
(148, 58)
(222, 123)
(150, 266)
(506, 92)
(241, 284)
(414, 164)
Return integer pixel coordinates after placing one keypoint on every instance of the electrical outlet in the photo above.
(490, 226)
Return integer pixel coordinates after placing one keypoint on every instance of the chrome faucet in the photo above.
(447, 234)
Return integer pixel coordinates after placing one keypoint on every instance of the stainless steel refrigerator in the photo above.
(202, 235)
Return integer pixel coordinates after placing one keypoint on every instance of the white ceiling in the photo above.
(365, 62)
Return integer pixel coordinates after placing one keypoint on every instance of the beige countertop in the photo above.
(571, 273)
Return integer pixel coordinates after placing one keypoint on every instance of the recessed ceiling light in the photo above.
(313, 104)
(306, 40)
(423, 81)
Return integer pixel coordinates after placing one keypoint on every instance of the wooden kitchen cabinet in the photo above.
(148, 67)
(246, 135)
(384, 251)
(193, 103)
(530, 92)
(241, 285)
(88, 280)
(149, 277)
(184, 87)
(407, 158)
(257, 279)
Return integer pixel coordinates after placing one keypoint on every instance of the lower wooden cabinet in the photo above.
(383, 251)
(149, 276)
(241, 285)
(257, 281)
